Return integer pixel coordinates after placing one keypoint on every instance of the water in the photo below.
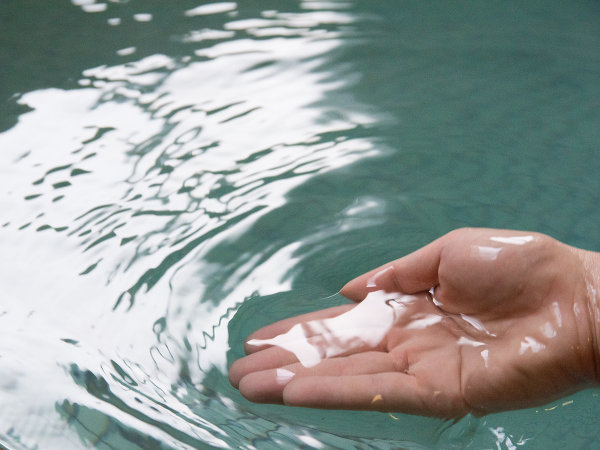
(175, 176)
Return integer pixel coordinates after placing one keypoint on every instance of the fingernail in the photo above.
(284, 376)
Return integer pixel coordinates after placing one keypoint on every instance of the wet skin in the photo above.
(478, 321)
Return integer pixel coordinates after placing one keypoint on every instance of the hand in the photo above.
(495, 320)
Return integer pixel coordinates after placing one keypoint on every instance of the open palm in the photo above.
(493, 320)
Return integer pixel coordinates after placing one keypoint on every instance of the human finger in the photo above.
(308, 345)
(266, 359)
(267, 386)
(389, 391)
(415, 272)
(283, 326)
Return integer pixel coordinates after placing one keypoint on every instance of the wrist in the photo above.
(591, 266)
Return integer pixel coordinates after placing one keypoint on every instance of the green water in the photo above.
(174, 176)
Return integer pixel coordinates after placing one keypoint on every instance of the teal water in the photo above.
(175, 175)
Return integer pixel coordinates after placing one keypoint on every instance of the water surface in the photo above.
(175, 176)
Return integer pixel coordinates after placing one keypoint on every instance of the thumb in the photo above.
(412, 273)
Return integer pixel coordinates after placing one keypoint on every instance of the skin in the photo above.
(516, 326)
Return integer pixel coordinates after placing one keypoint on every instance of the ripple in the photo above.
(175, 177)
(152, 173)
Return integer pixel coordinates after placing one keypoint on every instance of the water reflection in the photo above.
(363, 327)
(135, 199)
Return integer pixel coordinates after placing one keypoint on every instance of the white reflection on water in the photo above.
(364, 326)
(115, 195)
(211, 8)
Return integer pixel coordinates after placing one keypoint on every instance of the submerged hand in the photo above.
(495, 320)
